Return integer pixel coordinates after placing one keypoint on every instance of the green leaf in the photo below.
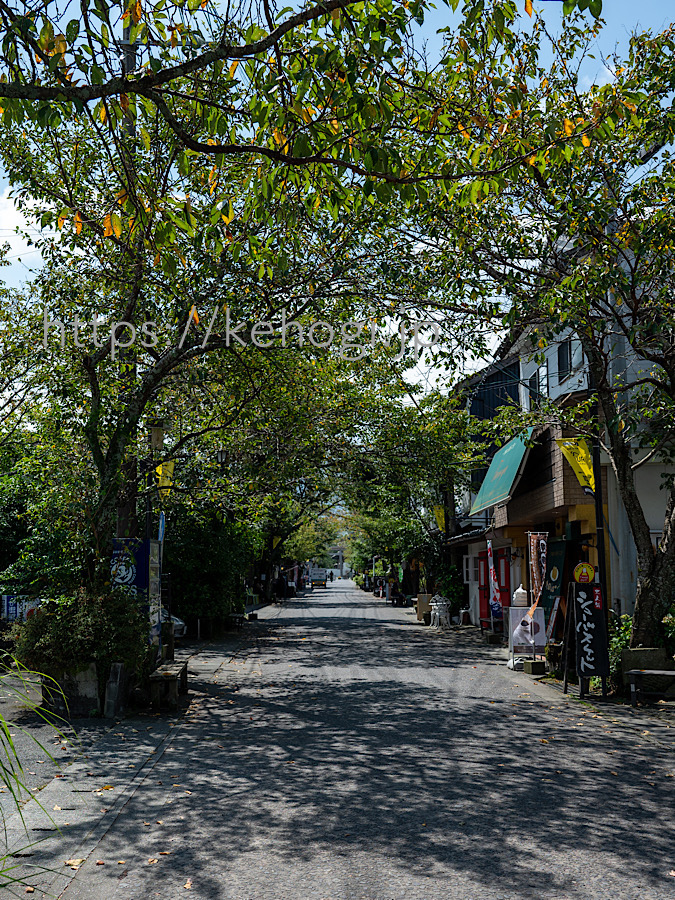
(72, 31)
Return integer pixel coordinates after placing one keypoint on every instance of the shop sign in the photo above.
(591, 636)
(584, 573)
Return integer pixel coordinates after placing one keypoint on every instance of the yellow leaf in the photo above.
(152, 861)
(102, 113)
(463, 131)
(528, 7)
(124, 102)
(227, 217)
(116, 223)
(78, 223)
(585, 140)
(61, 222)
(569, 127)
(107, 232)
(233, 68)
(174, 38)
(307, 114)
(137, 12)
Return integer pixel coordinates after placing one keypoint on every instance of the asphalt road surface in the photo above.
(345, 752)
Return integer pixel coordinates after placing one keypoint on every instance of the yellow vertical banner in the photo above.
(165, 477)
(439, 515)
(577, 453)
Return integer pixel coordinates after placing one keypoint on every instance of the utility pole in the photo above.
(127, 514)
(599, 503)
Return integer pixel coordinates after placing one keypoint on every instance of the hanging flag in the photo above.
(496, 611)
(577, 453)
(439, 515)
(165, 477)
(538, 550)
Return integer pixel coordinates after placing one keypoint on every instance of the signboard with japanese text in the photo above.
(591, 635)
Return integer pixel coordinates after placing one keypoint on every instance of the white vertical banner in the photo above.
(496, 611)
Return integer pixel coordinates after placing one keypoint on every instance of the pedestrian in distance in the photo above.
(280, 588)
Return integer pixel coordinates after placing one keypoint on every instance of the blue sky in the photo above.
(623, 17)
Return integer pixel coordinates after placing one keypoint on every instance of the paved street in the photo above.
(341, 751)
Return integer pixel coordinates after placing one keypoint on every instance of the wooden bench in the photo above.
(636, 675)
(166, 682)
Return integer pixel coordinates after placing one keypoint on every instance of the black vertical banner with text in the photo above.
(591, 636)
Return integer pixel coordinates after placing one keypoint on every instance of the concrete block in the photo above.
(534, 667)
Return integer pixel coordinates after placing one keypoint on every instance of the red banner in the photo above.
(538, 548)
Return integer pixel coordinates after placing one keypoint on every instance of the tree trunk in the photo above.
(656, 588)
(656, 570)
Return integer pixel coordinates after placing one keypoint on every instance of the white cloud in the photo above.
(21, 257)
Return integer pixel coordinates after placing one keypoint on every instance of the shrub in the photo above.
(669, 630)
(619, 639)
(69, 632)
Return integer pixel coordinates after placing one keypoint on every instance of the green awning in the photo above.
(503, 474)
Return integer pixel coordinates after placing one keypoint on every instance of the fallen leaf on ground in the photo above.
(152, 861)
(57, 808)
(543, 740)
(164, 852)
(30, 890)
(188, 884)
(73, 863)
(107, 787)
(99, 862)
(120, 862)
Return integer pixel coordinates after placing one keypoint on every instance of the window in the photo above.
(538, 385)
(533, 385)
(471, 569)
(564, 360)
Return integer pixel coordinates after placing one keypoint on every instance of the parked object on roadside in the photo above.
(179, 626)
(440, 611)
